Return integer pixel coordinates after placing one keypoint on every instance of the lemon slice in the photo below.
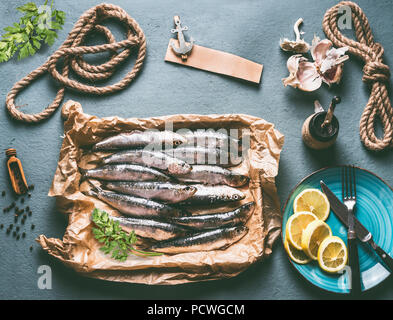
(295, 226)
(332, 254)
(315, 232)
(296, 255)
(312, 200)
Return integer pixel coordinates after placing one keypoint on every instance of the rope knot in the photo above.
(376, 71)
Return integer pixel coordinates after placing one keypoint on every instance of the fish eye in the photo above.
(235, 197)
(177, 142)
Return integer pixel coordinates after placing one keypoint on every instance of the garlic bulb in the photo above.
(299, 45)
(327, 66)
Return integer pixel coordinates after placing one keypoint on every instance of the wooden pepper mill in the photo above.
(16, 173)
(320, 130)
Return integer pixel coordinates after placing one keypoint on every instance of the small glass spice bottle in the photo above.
(320, 130)
(15, 171)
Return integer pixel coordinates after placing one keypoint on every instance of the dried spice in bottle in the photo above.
(16, 173)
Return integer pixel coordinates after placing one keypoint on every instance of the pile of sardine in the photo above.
(153, 188)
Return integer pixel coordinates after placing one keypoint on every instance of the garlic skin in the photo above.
(327, 66)
(297, 46)
(302, 74)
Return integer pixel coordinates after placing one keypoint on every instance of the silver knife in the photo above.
(362, 233)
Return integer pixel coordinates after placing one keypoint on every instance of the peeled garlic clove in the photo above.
(299, 45)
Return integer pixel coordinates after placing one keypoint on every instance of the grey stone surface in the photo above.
(250, 29)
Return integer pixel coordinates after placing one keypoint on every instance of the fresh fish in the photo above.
(135, 206)
(213, 175)
(204, 241)
(217, 220)
(153, 159)
(214, 194)
(162, 191)
(125, 172)
(138, 139)
(210, 138)
(149, 228)
(202, 155)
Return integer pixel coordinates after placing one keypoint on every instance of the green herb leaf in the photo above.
(116, 242)
(36, 26)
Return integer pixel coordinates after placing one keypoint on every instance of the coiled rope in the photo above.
(71, 51)
(375, 72)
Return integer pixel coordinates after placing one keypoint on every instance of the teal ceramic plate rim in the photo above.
(282, 220)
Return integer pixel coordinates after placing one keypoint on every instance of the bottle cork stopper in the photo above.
(10, 152)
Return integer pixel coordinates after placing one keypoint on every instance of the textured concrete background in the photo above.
(251, 29)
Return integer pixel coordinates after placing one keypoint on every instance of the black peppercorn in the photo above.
(17, 237)
(23, 234)
(3, 193)
(32, 226)
(31, 248)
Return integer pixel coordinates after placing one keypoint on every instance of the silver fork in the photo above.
(348, 184)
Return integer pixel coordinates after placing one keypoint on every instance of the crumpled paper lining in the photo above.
(80, 250)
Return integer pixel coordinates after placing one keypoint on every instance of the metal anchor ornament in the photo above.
(203, 58)
(184, 48)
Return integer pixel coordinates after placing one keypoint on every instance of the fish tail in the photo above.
(84, 174)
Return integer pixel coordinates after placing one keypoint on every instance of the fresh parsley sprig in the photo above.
(114, 239)
(37, 26)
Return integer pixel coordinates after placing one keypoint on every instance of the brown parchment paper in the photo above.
(78, 248)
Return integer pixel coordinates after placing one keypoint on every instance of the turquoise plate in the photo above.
(374, 210)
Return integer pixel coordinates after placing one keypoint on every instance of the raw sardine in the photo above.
(125, 172)
(153, 159)
(214, 194)
(204, 241)
(210, 138)
(135, 206)
(161, 191)
(217, 220)
(202, 155)
(213, 175)
(138, 139)
(149, 228)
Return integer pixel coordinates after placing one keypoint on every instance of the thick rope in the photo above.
(376, 73)
(71, 51)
